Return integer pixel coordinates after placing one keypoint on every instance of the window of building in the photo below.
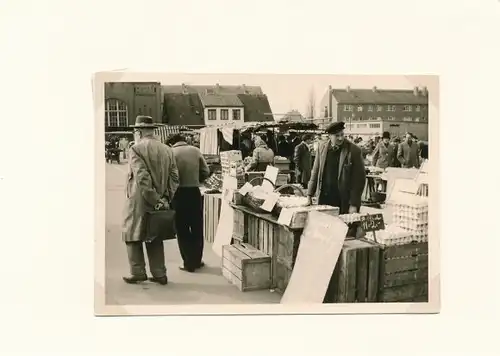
(236, 114)
(212, 114)
(391, 107)
(347, 107)
(360, 107)
(391, 118)
(417, 119)
(379, 107)
(370, 107)
(407, 108)
(407, 118)
(417, 108)
(361, 126)
(374, 126)
(116, 113)
(224, 114)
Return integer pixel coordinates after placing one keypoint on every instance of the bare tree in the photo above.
(311, 105)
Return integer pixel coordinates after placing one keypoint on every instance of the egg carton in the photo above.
(351, 218)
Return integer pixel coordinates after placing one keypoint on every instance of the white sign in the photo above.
(272, 175)
(270, 202)
(320, 247)
(247, 187)
(286, 216)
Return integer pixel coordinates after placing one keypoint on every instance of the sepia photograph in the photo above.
(261, 193)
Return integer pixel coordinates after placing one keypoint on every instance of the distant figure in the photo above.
(408, 154)
(384, 154)
(303, 160)
(188, 202)
(293, 140)
(262, 156)
(283, 147)
(246, 144)
(151, 183)
(123, 145)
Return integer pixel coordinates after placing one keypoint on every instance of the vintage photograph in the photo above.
(280, 190)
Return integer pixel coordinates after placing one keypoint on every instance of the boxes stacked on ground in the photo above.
(404, 273)
(232, 165)
(412, 214)
(211, 214)
(356, 274)
(246, 267)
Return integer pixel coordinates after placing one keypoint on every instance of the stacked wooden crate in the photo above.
(404, 273)
(356, 274)
(246, 267)
(211, 214)
(287, 241)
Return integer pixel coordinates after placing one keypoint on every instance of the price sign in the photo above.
(372, 222)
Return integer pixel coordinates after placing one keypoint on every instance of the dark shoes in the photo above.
(135, 279)
(191, 270)
(138, 279)
(160, 280)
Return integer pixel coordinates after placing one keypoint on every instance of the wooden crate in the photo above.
(404, 273)
(281, 275)
(211, 214)
(246, 267)
(240, 226)
(356, 275)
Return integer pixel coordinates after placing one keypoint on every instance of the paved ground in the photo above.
(204, 287)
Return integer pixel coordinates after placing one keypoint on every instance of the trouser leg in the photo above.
(156, 258)
(184, 237)
(196, 225)
(136, 260)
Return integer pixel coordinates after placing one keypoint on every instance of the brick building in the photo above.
(369, 112)
(125, 100)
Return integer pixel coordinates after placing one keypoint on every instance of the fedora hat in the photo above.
(142, 121)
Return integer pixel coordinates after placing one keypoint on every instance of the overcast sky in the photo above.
(286, 92)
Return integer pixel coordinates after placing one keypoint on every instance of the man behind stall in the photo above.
(384, 154)
(408, 153)
(303, 160)
(188, 204)
(338, 175)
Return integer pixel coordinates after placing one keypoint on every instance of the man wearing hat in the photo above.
(153, 178)
(338, 175)
(384, 154)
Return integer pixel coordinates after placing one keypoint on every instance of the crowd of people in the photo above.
(169, 176)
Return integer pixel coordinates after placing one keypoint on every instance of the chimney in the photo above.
(374, 89)
(184, 89)
(348, 89)
(424, 91)
(244, 87)
(217, 88)
(415, 91)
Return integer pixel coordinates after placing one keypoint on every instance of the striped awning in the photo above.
(165, 131)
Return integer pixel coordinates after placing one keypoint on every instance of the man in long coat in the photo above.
(303, 160)
(338, 175)
(152, 181)
(408, 153)
(384, 154)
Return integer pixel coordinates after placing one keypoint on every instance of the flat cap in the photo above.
(335, 127)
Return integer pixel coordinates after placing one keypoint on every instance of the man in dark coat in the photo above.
(408, 153)
(151, 183)
(303, 160)
(338, 175)
(188, 202)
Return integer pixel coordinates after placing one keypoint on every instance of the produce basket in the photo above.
(298, 193)
(252, 201)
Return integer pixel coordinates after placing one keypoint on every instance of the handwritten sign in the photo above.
(272, 175)
(372, 222)
(270, 202)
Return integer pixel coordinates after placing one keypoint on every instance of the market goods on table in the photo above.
(297, 216)
(214, 182)
(230, 162)
(282, 163)
(246, 267)
(411, 213)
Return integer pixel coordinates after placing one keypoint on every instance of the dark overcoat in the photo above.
(409, 155)
(303, 163)
(152, 175)
(384, 156)
(352, 175)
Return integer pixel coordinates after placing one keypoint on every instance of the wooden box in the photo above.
(281, 275)
(240, 226)
(356, 275)
(211, 213)
(261, 234)
(404, 273)
(246, 267)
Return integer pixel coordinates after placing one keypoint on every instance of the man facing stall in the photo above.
(338, 175)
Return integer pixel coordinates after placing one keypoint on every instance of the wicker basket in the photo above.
(253, 202)
(277, 208)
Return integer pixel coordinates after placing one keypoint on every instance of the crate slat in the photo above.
(404, 293)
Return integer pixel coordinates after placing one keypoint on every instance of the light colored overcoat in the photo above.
(152, 175)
